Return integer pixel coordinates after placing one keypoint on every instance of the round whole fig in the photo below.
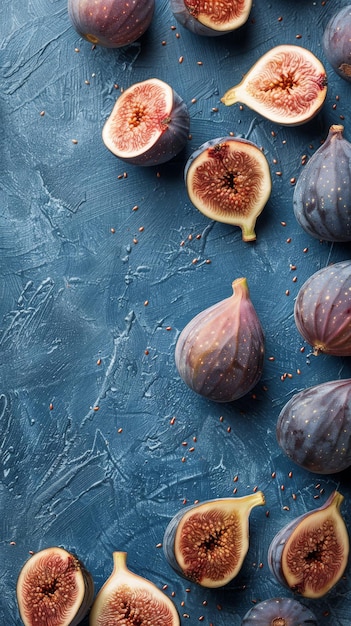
(287, 85)
(314, 427)
(148, 125)
(337, 44)
(220, 352)
(211, 18)
(279, 612)
(323, 310)
(111, 23)
(322, 195)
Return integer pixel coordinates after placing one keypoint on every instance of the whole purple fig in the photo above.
(337, 42)
(219, 354)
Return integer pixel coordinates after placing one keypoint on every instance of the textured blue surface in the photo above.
(78, 263)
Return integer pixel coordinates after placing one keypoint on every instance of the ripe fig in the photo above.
(219, 354)
(336, 42)
(54, 588)
(127, 598)
(309, 555)
(207, 543)
(314, 427)
(322, 195)
(287, 85)
(211, 18)
(111, 23)
(323, 310)
(279, 612)
(148, 125)
(228, 179)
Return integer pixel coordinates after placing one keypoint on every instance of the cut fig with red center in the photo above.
(149, 124)
(211, 18)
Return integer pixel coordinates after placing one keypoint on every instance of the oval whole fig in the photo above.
(336, 42)
(127, 598)
(207, 543)
(314, 427)
(228, 179)
(219, 354)
(54, 588)
(148, 125)
(111, 23)
(279, 612)
(287, 85)
(309, 555)
(211, 18)
(323, 310)
(322, 195)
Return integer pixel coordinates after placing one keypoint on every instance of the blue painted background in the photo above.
(78, 263)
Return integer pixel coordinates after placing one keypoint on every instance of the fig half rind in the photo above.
(322, 310)
(219, 354)
(336, 42)
(279, 612)
(310, 554)
(228, 179)
(287, 85)
(148, 125)
(211, 18)
(54, 588)
(314, 427)
(322, 195)
(207, 543)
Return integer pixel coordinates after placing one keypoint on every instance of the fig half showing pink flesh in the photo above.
(149, 124)
(211, 18)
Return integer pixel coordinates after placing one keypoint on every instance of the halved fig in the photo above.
(287, 85)
(309, 555)
(148, 125)
(211, 18)
(54, 588)
(127, 598)
(111, 23)
(219, 354)
(336, 42)
(279, 612)
(228, 179)
(207, 543)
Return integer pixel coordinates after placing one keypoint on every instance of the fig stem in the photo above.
(230, 97)
(119, 560)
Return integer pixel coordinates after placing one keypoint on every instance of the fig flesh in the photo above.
(228, 179)
(309, 555)
(314, 427)
(207, 543)
(211, 18)
(279, 612)
(127, 598)
(54, 588)
(322, 310)
(322, 195)
(111, 23)
(219, 354)
(287, 85)
(336, 42)
(148, 125)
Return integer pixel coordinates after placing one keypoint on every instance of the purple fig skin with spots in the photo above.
(314, 427)
(322, 195)
(220, 353)
(111, 23)
(323, 310)
(280, 611)
(337, 43)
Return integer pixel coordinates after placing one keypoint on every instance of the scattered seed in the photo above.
(183, 459)
(113, 230)
(51, 406)
(287, 292)
(305, 250)
(159, 545)
(98, 362)
(163, 43)
(120, 430)
(271, 358)
(294, 496)
(199, 62)
(298, 36)
(75, 141)
(172, 420)
(42, 113)
(283, 223)
(288, 240)
(181, 59)
(274, 474)
(146, 352)
(76, 50)
(236, 478)
(96, 408)
(168, 327)
(286, 508)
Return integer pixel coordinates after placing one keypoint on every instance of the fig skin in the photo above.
(54, 587)
(219, 527)
(309, 555)
(111, 23)
(279, 612)
(193, 16)
(149, 124)
(228, 179)
(322, 310)
(336, 42)
(126, 596)
(220, 352)
(314, 427)
(322, 195)
(287, 85)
